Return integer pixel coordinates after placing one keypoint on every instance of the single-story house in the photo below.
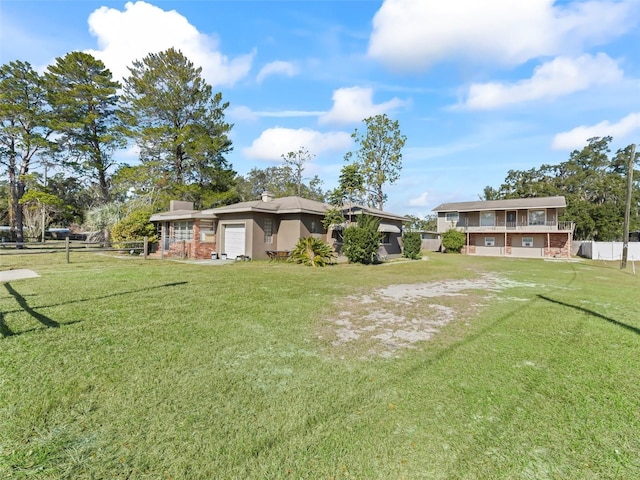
(522, 227)
(258, 228)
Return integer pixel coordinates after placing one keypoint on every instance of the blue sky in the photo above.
(479, 87)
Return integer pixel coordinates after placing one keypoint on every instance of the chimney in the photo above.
(180, 205)
(267, 196)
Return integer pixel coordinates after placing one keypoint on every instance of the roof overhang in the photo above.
(389, 228)
(181, 215)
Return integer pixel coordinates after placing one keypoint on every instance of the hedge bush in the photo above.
(412, 245)
(453, 240)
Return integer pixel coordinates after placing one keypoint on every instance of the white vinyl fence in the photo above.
(609, 250)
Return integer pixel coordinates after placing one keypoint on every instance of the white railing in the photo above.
(522, 227)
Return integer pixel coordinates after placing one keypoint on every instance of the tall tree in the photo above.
(296, 161)
(24, 130)
(281, 181)
(379, 158)
(177, 122)
(84, 100)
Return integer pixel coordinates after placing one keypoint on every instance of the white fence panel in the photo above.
(610, 250)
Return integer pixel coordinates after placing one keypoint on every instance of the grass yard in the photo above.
(456, 367)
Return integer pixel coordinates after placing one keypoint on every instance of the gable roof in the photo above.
(512, 203)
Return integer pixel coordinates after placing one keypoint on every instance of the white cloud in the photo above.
(289, 113)
(274, 142)
(142, 28)
(421, 200)
(244, 113)
(577, 138)
(241, 113)
(277, 68)
(353, 104)
(561, 76)
(414, 34)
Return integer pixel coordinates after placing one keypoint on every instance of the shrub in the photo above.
(453, 240)
(412, 244)
(360, 243)
(313, 252)
(134, 227)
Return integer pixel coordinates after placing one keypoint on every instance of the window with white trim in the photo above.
(487, 219)
(537, 217)
(489, 241)
(452, 217)
(527, 241)
(268, 230)
(183, 230)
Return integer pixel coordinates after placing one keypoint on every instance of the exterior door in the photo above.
(234, 240)
(512, 219)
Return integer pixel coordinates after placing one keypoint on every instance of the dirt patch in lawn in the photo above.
(390, 319)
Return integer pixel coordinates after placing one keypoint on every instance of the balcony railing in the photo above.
(522, 227)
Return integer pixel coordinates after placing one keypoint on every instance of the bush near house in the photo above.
(360, 243)
(313, 252)
(412, 244)
(134, 227)
(453, 240)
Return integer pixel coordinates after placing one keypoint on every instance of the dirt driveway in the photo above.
(397, 317)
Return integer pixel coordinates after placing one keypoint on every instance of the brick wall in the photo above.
(201, 249)
(191, 249)
(559, 245)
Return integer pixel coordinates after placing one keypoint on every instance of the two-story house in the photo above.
(523, 227)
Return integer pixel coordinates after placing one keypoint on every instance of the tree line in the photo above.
(60, 132)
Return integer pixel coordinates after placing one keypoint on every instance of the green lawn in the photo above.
(125, 368)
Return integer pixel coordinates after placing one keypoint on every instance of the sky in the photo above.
(478, 87)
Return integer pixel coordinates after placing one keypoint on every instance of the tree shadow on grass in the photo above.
(43, 319)
(5, 331)
(631, 328)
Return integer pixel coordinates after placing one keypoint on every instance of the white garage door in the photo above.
(234, 238)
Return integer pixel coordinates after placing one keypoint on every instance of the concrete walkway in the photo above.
(17, 274)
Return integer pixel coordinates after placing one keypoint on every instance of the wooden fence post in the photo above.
(145, 246)
(66, 246)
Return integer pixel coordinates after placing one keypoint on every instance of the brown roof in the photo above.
(280, 205)
(277, 205)
(177, 215)
(358, 209)
(513, 203)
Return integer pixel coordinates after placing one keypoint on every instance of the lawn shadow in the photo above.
(633, 329)
(110, 295)
(43, 319)
(5, 331)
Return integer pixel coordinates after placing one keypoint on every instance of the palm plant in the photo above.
(313, 252)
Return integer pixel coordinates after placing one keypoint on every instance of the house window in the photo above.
(487, 219)
(489, 241)
(183, 230)
(315, 226)
(527, 241)
(268, 230)
(452, 217)
(537, 217)
(386, 238)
